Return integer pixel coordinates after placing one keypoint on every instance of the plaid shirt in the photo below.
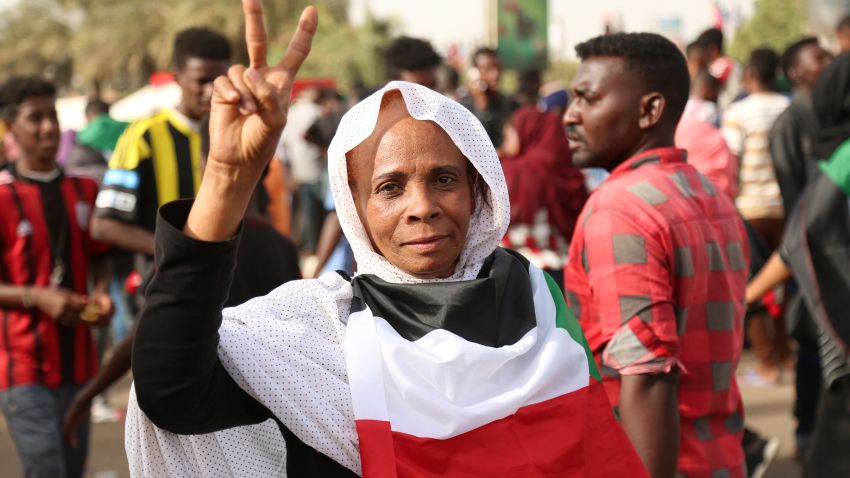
(656, 274)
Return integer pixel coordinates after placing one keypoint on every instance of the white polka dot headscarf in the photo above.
(489, 222)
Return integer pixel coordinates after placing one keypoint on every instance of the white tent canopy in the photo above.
(72, 112)
(143, 102)
(146, 101)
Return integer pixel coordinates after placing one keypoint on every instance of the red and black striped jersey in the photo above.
(33, 347)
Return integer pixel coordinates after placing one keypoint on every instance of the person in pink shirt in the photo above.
(698, 134)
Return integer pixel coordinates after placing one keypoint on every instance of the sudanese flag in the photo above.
(488, 377)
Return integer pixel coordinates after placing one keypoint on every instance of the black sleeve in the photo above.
(266, 260)
(180, 383)
(789, 161)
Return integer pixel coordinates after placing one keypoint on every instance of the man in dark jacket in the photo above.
(816, 249)
(792, 134)
(795, 164)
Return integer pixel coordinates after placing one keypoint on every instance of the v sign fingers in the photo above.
(248, 114)
(246, 137)
(255, 33)
(283, 74)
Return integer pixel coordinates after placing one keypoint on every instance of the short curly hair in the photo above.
(17, 89)
(764, 65)
(712, 37)
(791, 55)
(411, 54)
(655, 60)
(199, 42)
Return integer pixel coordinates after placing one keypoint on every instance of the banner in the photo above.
(523, 30)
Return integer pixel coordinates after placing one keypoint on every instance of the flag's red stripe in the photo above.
(571, 435)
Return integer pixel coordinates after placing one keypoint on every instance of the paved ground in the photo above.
(106, 447)
(768, 412)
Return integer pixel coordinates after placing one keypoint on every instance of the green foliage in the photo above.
(775, 24)
(341, 51)
(117, 44)
(34, 38)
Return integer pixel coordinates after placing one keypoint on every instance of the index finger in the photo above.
(299, 46)
(255, 32)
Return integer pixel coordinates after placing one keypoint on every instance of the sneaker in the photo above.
(752, 378)
(103, 413)
(759, 454)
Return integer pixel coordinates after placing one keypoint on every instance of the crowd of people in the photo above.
(558, 282)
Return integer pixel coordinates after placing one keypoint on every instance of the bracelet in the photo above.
(26, 300)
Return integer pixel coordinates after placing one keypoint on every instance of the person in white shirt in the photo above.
(745, 127)
(306, 168)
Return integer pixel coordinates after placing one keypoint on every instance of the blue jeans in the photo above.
(34, 417)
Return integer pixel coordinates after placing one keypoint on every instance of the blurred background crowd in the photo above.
(133, 81)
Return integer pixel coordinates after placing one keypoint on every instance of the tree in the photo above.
(84, 44)
(35, 36)
(140, 34)
(774, 24)
(341, 51)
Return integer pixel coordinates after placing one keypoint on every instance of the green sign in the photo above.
(522, 29)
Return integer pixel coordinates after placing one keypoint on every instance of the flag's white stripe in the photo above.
(442, 385)
(361, 343)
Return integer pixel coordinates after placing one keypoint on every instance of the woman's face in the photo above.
(412, 188)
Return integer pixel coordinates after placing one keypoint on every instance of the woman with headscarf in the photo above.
(444, 356)
(547, 192)
(816, 250)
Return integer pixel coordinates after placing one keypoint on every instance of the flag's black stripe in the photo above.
(302, 460)
(494, 309)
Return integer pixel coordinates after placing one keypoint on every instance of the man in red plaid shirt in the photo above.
(658, 263)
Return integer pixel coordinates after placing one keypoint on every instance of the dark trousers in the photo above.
(808, 384)
(34, 417)
(308, 216)
(768, 337)
(829, 451)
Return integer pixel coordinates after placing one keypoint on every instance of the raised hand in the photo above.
(249, 104)
(248, 114)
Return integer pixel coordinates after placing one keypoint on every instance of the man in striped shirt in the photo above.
(158, 159)
(746, 126)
